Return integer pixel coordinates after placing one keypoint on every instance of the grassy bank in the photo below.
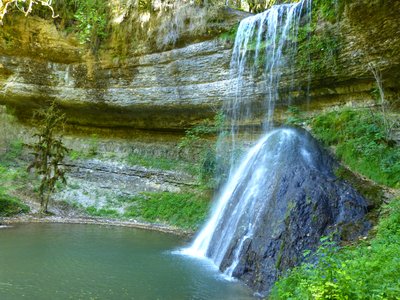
(10, 206)
(361, 142)
(184, 210)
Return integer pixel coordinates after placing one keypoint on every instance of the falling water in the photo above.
(264, 48)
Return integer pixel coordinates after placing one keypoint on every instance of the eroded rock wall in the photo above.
(175, 89)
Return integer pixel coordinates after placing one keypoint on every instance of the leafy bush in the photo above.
(366, 271)
(359, 139)
(10, 206)
(13, 152)
(89, 18)
(182, 210)
(92, 17)
(200, 138)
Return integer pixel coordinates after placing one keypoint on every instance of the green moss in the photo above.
(368, 270)
(319, 42)
(371, 191)
(230, 35)
(323, 51)
(328, 10)
(280, 253)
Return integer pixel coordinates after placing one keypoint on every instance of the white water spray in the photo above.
(262, 42)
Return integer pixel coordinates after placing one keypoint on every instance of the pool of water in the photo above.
(60, 261)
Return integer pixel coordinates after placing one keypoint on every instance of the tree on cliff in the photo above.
(49, 152)
(24, 6)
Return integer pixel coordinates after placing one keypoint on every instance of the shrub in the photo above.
(10, 206)
(359, 139)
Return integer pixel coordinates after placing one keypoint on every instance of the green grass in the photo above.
(102, 212)
(160, 163)
(13, 152)
(182, 210)
(11, 180)
(360, 142)
(10, 206)
(369, 270)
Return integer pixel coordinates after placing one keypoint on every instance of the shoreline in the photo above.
(26, 219)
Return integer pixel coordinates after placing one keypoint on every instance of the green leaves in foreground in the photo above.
(370, 270)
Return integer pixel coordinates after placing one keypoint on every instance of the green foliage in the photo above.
(92, 17)
(319, 43)
(74, 155)
(13, 152)
(205, 129)
(328, 9)
(159, 163)
(102, 212)
(89, 18)
(145, 5)
(230, 35)
(48, 152)
(10, 206)
(323, 51)
(200, 138)
(359, 139)
(294, 116)
(369, 270)
(182, 210)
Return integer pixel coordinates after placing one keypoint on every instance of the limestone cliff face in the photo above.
(169, 90)
(161, 91)
(368, 33)
(172, 90)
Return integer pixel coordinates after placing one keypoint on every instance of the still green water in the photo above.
(60, 261)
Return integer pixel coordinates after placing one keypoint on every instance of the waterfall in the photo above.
(264, 47)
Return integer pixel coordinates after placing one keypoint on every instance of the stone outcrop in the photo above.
(107, 184)
(295, 200)
(172, 90)
(367, 34)
(169, 90)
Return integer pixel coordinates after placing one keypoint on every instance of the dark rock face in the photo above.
(304, 202)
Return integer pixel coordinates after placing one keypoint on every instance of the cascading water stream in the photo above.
(264, 47)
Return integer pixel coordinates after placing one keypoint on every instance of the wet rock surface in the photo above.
(299, 200)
